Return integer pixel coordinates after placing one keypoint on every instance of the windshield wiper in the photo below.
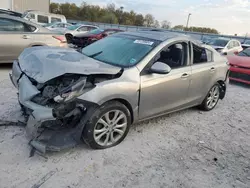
(95, 54)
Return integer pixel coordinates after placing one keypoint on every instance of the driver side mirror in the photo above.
(160, 68)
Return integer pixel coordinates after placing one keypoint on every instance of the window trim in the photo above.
(192, 56)
(25, 26)
(57, 19)
(42, 16)
(153, 59)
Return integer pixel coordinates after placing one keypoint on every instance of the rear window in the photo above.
(201, 55)
(12, 25)
(53, 19)
(42, 19)
(73, 27)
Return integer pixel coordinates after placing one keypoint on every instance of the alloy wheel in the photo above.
(110, 128)
(213, 97)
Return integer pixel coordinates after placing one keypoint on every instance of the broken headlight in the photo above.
(71, 92)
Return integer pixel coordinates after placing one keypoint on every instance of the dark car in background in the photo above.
(82, 40)
(240, 67)
(11, 13)
(246, 44)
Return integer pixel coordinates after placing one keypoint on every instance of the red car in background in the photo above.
(240, 67)
(82, 40)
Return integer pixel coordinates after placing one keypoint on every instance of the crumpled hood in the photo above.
(45, 63)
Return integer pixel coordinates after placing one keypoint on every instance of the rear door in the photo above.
(14, 37)
(203, 70)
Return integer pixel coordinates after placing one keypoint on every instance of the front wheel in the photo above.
(108, 126)
(211, 99)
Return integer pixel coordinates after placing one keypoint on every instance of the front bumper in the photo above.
(240, 74)
(45, 129)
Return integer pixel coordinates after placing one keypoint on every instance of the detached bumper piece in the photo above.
(58, 134)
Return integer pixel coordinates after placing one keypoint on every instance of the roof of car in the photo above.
(158, 35)
(14, 18)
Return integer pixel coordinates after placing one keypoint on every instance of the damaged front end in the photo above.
(55, 116)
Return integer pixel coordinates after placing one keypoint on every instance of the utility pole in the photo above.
(121, 11)
(188, 20)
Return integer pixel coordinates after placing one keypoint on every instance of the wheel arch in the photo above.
(127, 104)
(223, 88)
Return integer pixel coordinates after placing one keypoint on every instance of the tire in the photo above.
(95, 132)
(205, 105)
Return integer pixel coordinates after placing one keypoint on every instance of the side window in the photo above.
(209, 55)
(42, 19)
(201, 55)
(31, 16)
(236, 44)
(174, 56)
(12, 25)
(30, 28)
(53, 19)
(91, 28)
(61, 25)
(230, 45)
(84, 28)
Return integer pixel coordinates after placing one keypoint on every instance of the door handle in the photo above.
(26, 37)
(212, 69)
(185, 75)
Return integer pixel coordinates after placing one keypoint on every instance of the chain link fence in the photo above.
(196, 35)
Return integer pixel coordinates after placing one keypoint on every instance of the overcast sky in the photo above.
(227, 16)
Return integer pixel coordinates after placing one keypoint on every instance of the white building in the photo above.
(23, 5)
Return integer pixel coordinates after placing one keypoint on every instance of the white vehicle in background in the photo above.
(78, 29)
(43, 18)
(58, 26)
(226, 46)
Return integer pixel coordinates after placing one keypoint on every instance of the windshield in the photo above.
(73, 27)
(96, 31)
(247, 42)
(245, 52)
(218, 42)
(122, 51)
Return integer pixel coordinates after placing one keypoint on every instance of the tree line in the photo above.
(113, 15)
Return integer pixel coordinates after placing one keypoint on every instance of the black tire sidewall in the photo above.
(87, 134)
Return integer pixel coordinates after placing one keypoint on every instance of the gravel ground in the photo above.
(184, 149)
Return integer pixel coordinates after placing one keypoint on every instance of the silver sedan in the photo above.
(120, 80)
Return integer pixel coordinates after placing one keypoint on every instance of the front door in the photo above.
(161, 93)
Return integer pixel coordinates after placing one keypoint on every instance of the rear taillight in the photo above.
(61, 38)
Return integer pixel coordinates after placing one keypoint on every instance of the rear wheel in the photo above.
(211, 99)
(108, 126)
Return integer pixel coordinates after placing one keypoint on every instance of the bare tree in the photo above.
(111, 7)
(156, 24)
(149, 20)
(165, 24)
